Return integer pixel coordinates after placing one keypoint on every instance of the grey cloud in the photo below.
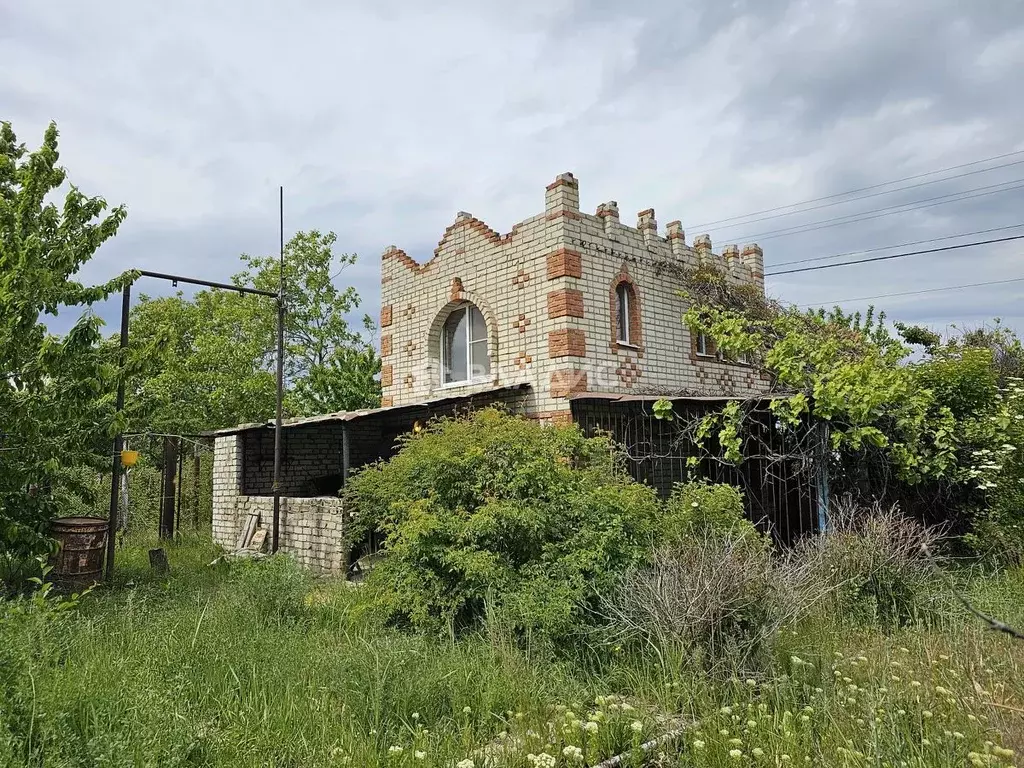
(383, 120)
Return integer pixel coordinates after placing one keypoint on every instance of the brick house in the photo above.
(570, 316)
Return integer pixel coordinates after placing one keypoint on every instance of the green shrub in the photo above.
(495, 513)
(702, 507)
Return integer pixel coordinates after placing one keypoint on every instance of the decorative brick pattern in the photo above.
(387, 401)
(387, 375)
(628, 372)
(409, 380)
(567, 302)
(567, 381)
(568, 342)
(564, 262)
(539, 301)
(385, 316)
(385, 345)
(457, 292)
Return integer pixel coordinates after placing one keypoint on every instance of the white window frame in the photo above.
(467, 309)
(701, 345)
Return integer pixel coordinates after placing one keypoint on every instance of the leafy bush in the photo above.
(495, 513)
(699, 507)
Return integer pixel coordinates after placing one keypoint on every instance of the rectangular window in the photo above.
(704, 348)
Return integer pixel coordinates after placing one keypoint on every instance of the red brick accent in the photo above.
(387, 401)
(628, 372)
(568, 342)
(471, 223)
(521, 323)
(675, 231)
(636, 338)
(554, 417)
(456, 293)
(568, 381)
(409, 381)
(385, 345)
(387, 375)
(567, 302)
(564, 262)
(385, 316)
(521, 279)
(522, 360)
(564, 213)
(571, 181)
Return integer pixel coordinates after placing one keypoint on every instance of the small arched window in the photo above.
(624, 298)
(464, 346)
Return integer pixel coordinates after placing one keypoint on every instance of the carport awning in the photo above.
(395, 410)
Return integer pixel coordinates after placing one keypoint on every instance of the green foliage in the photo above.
(497, 513)
(840, 368)
(330, 366)
(188, 669)
(998, 469)
(199, 364)
(699, 508)
(54, 392)
(208, 362)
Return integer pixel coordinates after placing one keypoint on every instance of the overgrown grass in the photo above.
(256, 664)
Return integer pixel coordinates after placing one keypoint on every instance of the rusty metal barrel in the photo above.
(79, 562)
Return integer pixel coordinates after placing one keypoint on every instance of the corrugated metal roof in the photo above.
(343, 416)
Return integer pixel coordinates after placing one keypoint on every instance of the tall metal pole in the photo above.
(276, 540)
(115, 473)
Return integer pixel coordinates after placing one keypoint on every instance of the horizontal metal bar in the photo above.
(207, 283)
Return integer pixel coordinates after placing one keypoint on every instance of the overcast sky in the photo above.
(383, 119)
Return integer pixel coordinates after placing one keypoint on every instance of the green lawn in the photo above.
(255, 664)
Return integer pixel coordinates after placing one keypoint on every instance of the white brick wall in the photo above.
(508, 278)
(311, 529)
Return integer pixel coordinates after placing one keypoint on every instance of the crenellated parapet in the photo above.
(550, 294)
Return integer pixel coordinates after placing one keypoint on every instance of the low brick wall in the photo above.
(312, 529)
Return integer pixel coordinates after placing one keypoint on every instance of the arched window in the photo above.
(624, 298)
(464, 346)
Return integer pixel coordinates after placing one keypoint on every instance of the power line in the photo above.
(898, 245)
(880, 212)
(896, 255)
(860, 189)
(915, 293)
(873, 194)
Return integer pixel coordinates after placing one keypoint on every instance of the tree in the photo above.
(329, 366)
(54, 392)
(208, 362)
(198, 364)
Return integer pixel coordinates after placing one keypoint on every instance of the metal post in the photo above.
(167, 493)
(276, 539)
(345, 454)
(115, 471)
(181, 475)
(196, 470)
